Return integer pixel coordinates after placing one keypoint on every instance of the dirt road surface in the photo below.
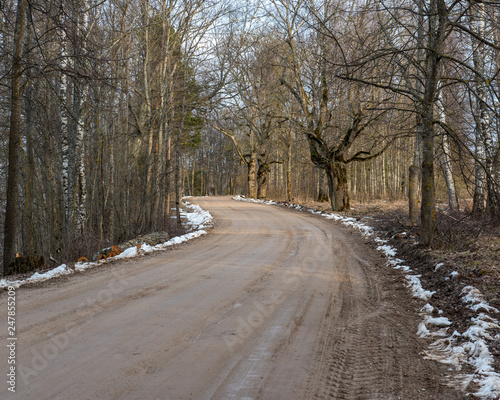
(272, 304)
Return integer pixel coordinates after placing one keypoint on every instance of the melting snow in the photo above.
(474, 296)
(416, 287)
(387, 250)
(37, 277)
(197, 218)
(438, 266)
(437, 321)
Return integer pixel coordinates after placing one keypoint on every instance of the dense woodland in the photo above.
(113, 110)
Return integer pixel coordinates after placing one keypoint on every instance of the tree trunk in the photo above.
(148, 205)
(448, 175)
(30, 242)
(481, 117)
(413, 174)
(322, 195)
(12, 211)
(168, 166)
(31, 238)
(67, 139)
(384, 182)
(252, 171)
(337, 186)
(82, 29)
(262, 180)
(445, 160)
(102, 216)
(428, 210)
(484, 185)
(415, 170)
(82, 175)
(111, 185)
(193, 169)
(177, 177)
(438, 22)
(289, 172)
(495, 178)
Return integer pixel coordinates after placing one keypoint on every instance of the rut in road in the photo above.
(352, 361)
(272, 304)
(355, 357)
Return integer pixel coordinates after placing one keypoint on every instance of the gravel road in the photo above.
(272, 304)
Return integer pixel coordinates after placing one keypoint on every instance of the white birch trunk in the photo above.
(252, 168)
(63, 109)
(445, 159)
(82, 176)
(484, 140)
(80, 129)
(384, 178)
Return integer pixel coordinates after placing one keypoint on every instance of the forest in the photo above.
(113, 110)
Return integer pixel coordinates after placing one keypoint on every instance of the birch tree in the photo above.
(68, 154)
(80, 95)
(485, 187)
(445, 160)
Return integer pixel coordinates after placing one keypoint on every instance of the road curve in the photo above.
(272, 304)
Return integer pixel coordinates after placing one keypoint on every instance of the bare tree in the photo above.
(12, 212)
(309, 76)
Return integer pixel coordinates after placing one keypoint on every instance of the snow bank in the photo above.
(456, 349)
(388, 251)
(145, 248)
(413, 282)
(196, 218)
(37, 277)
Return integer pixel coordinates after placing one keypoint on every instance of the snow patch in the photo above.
(197, 218)
(422, 331)
(128, 253)
(427, 309)
(387, 250)
(474, 296)
(438, 266)
(37, 277)
(469, 347)
(438, 321)
(413, 282)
